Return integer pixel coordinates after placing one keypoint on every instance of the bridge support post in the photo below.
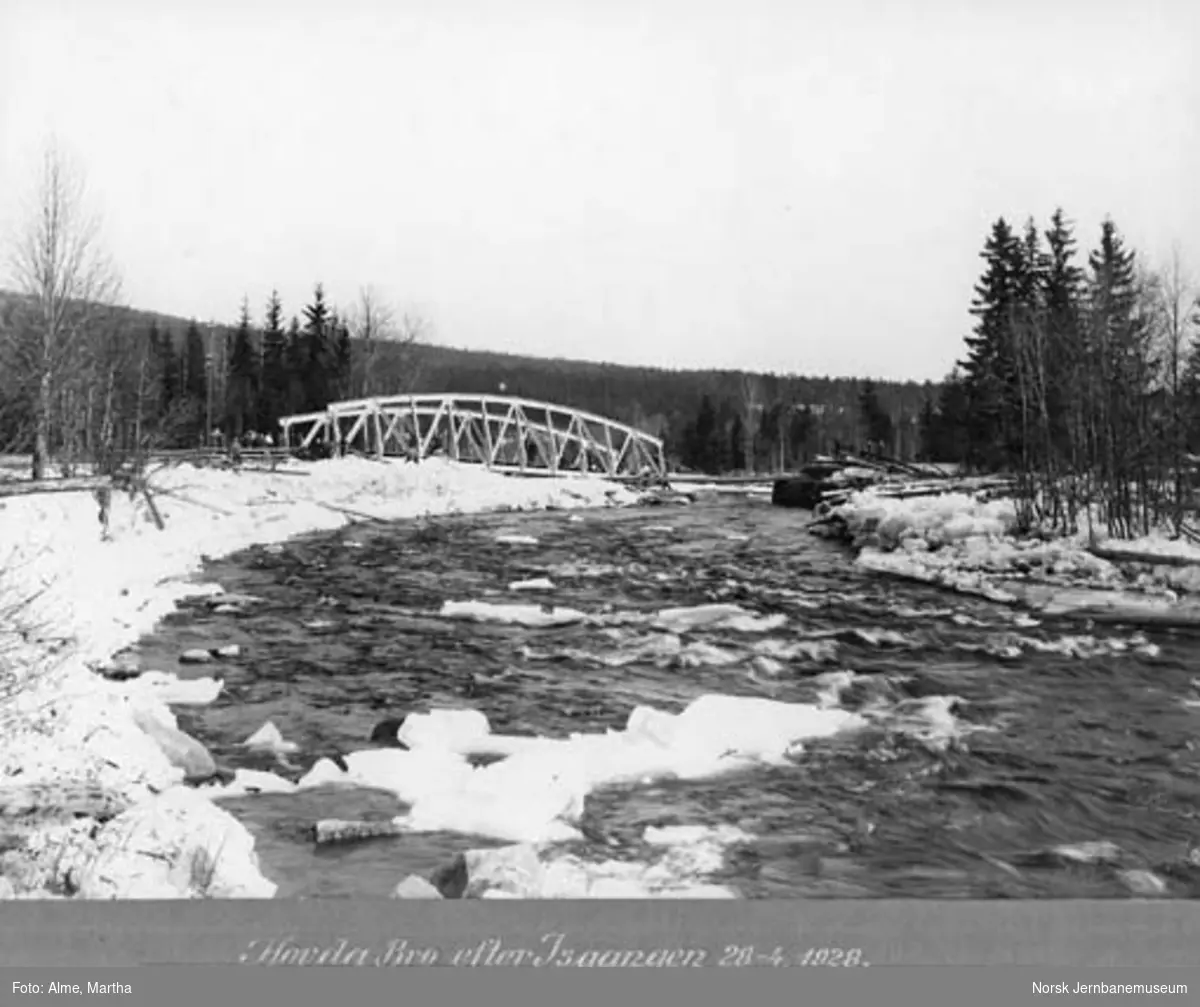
(377, 422)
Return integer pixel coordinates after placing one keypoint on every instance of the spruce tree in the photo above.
(242, 390)
(876, 422)
(343, 355)
(167, 369)
(273, 395)
(990, 368)
(700, 438)
(296, 367)
(1190, 390)
(1061, 285)
(737, 440)
(317, 362)
(195, 364)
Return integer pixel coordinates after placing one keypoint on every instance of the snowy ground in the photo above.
(958, 542)
(71, 736)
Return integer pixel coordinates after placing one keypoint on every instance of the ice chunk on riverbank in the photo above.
(175, 845)
(164, 687)
(962, 544)
(885, 522)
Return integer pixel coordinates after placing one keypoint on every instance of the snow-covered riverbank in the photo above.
(958, 542)
(90, 768)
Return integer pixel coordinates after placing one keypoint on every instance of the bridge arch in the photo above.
(501, 432)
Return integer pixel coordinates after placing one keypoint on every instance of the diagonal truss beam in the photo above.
(506, 433)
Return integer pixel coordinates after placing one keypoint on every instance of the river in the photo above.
(998, 746)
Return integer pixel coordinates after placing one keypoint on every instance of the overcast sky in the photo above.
(792, 186)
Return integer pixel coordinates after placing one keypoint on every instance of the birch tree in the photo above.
(69, 283)
(385, 360)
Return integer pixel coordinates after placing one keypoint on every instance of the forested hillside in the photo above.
(170, 380)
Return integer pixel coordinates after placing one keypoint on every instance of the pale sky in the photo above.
(793, 186)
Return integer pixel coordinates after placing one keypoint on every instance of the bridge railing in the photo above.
(505, 433)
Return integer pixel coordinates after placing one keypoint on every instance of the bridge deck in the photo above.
(500, 432)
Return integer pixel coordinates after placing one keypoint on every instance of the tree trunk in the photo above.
(41, 438)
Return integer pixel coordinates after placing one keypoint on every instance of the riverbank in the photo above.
(971, 546)
(92, 770)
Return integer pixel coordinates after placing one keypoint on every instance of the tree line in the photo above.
(84, 378)
(710, 421)
(1081, 378)
(240, 381)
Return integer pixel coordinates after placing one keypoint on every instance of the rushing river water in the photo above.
(1057, 735)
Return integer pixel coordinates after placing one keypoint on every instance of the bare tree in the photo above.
(385, 362)
(752, 406)
(1176, 298)
(372, 322)
(58, 263)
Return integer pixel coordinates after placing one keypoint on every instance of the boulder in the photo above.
(122, 666)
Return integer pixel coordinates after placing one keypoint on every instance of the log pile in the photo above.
(828, 482)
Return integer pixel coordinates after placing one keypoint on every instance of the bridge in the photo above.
(501, 432)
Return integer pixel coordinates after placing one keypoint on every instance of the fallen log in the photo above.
(75, 484)
(154, 513)
(1149, 558)
(350, 513)
(42, 801)
(337, 830)
(195, 503)
(908, 490)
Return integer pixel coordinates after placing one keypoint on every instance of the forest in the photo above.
(1080, 374)
(170, 382)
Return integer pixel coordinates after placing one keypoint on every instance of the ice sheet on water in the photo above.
(532, 584)
(536, 792)
(532, 616)
(717, 616)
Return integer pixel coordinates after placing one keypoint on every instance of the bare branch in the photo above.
(70, 284)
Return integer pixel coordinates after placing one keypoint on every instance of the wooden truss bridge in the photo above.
(500, 432)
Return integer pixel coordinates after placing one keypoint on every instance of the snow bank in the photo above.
(87, 596)
(958, 542)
